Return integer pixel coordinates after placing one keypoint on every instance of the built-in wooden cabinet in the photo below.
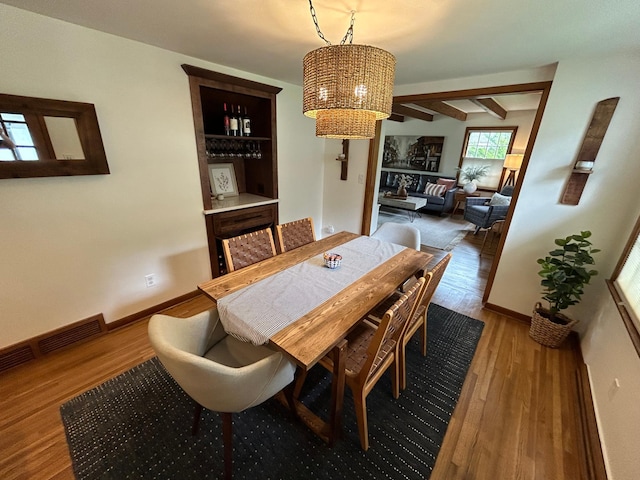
(254, 157)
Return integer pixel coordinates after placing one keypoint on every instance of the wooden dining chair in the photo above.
(371, 351)
(245, 250)
(419, 319)
(295, 234)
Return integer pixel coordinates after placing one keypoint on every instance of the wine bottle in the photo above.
(240, 122)
(233, 123)
(226, 120)
(246, 123)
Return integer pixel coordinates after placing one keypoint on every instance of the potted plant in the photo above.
(565, 272)
(471, 175)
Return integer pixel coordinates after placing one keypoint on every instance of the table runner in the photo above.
(258, 311)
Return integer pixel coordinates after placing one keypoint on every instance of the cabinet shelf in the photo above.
(237, 138)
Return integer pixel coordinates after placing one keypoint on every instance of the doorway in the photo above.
(434, 101)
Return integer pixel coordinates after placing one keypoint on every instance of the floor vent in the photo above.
(20, 353)
(77, 332)
(16, 355)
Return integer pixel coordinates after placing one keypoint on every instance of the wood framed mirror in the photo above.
(40, 137)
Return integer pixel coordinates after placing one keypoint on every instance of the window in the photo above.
(625, 286)
(15, 127)
(487, 146)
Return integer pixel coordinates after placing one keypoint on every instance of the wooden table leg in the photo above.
(337, 392)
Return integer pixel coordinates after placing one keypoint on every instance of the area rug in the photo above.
(138, 424)
(439, 232)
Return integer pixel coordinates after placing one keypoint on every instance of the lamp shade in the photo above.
(346, 88)
(513, 161)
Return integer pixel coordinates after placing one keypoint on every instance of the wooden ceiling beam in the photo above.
(411, 112)
(394, 117)
(443, 108)
(490, 106)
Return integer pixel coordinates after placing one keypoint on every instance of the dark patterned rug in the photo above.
(138, 424)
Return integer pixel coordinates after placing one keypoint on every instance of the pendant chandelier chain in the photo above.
(347, 36)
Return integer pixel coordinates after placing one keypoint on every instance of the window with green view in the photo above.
(488, 144)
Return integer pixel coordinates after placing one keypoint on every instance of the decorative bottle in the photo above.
(226, 120)
(247, 123)
(240, 122)
(233, 123)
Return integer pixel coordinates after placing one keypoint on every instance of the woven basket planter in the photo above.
(546, 332)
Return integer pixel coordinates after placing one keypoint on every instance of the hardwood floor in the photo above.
(515, 419)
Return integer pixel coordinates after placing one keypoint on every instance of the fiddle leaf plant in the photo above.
(565, 272)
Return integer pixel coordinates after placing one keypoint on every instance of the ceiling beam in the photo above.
(411, 112)
(394, 117)
(443, 108)
(491, 107)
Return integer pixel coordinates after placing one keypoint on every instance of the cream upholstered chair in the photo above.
(399, 233)
(220, 372)
(419, 319)
(245, 250)
(295, 234)
(371, 350)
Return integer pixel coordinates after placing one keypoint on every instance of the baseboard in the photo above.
(509, 313)
(151, 310)
(76, 333)
(591, 448)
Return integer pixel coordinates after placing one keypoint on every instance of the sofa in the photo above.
(436, 204)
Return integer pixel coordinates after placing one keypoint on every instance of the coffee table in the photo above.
(410, 204)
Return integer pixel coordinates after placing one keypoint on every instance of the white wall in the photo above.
(609, 207)
(72, 247)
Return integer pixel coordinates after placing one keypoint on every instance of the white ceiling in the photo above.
(432, 39)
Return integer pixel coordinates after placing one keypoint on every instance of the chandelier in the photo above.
(347, 87)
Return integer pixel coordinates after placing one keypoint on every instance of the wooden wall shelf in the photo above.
(589, 150)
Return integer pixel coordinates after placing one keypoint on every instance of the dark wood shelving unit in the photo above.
(256, 206)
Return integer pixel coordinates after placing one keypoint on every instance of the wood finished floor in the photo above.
(515, 419)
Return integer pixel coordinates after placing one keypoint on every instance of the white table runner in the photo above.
(258, 311)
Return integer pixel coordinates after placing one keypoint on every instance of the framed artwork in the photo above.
(223, 179)
(412, 152)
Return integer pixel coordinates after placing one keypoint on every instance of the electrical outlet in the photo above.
(361, 179)
(329, 229)
(150, 280)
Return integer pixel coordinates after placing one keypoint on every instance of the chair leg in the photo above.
(396, 371)
(403, 366)
(196, 419)
(423, 334)
(227, 440)
(360, 403)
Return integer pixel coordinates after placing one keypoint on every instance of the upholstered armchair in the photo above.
(220, 372)
(480, 211)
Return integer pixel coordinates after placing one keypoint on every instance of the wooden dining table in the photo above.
(324, 328)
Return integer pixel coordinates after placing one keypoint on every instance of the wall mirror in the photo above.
(40, 137)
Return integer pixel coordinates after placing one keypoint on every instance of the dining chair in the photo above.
(419, 319)
(245, 250)
(371, 351)
(295, 234)
(399, 233)
(218, 371)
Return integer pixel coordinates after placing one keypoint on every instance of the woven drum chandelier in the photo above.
(347, 87)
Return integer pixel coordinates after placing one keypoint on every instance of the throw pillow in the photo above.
(447, 182)
(498, 199)
(435, 189)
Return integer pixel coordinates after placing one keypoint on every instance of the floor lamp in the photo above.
(512, 162)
